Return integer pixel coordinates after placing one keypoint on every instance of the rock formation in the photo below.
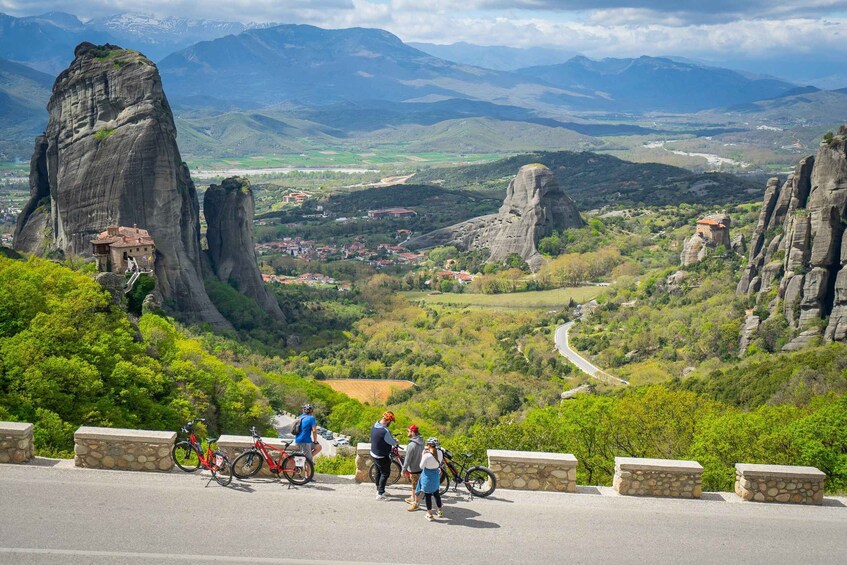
(712, 231)
(534, 208)
(799, 247)
(109, 156)
(229, 208)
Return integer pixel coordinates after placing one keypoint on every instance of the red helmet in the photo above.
(389, 416)
(413, 428)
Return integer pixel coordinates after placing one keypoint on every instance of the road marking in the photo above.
(161, 556)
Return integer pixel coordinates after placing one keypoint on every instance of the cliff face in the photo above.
(800, 244)
(229, 208)
(535, 206)
(109, 156)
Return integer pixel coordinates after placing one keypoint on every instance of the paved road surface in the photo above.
(282, 423)
(68, 515)
(560, 338)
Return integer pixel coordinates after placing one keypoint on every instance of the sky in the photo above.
(706, 29)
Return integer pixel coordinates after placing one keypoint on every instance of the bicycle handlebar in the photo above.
(187, 427)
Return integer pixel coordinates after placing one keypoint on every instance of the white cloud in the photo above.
(623, 31)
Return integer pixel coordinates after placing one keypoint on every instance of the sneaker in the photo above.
(409, 500)
(430, 517)
(440, 513)
(413, 507)
(380, 497)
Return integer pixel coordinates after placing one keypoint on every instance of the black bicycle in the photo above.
(396, 465)
(480, 481)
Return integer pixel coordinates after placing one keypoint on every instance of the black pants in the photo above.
(429, 496)
(383, 469)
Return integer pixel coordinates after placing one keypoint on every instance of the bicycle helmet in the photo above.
(307, 407)
(414, 429)
(388, 416)
(433, 441)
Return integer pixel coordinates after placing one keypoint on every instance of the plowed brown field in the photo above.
(370, 391)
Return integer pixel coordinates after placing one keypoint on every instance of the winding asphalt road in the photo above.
(59, 513)
(560, 338)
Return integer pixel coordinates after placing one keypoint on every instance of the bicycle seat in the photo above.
(467, 454)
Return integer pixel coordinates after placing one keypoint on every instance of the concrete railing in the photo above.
(16, 444)
(658, 477)
(234, 446)
(779, 483)
(117, 448)
(364, 461)
(530, 470)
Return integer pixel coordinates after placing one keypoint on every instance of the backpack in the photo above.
(297, 426)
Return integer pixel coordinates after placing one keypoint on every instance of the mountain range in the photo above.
(236, 86)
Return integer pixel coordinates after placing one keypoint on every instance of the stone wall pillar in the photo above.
(530, 470)
(779, 483)
(658, 477)
(16, 445)
(128, 450)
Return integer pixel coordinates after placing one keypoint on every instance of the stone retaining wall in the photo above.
(658, 477)
(779, 483)
(234, 446)
(15, 442)
(529, 470)
(128, 450)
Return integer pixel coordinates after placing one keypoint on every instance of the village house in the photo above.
(296, 197)
(114, 248)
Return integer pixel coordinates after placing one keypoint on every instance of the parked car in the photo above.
(342, 441)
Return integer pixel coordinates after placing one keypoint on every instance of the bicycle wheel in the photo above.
(297, 475)
(247, 464)
(445, 481)
(394, 473)
(185, 457)
(221, 468)
(480, 481)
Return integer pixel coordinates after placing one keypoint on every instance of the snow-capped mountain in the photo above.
(157, 37)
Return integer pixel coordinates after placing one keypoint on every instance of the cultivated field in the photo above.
(372, 391)
(557, 299)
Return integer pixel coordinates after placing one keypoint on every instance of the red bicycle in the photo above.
(294, 466)
(189, 455)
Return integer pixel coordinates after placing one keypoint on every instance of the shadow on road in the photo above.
(466, 517)
(588, 490)
(833, 502)
(241, 487)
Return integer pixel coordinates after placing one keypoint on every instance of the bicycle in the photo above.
(396, 464)
(294, 466)
(480, 481)
(189, 455)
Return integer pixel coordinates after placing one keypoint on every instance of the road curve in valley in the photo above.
(560, 338)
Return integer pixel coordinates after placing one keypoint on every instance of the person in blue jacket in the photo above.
(430, 476)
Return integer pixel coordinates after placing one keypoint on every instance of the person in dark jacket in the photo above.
(412, 464)
(381, 444)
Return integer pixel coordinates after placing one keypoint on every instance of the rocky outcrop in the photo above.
(535, 206)
(229, 208)
(799, 246)
(109, 156)
(693, 251)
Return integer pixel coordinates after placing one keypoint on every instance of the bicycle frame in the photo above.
(274, 465)
(205, 458)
